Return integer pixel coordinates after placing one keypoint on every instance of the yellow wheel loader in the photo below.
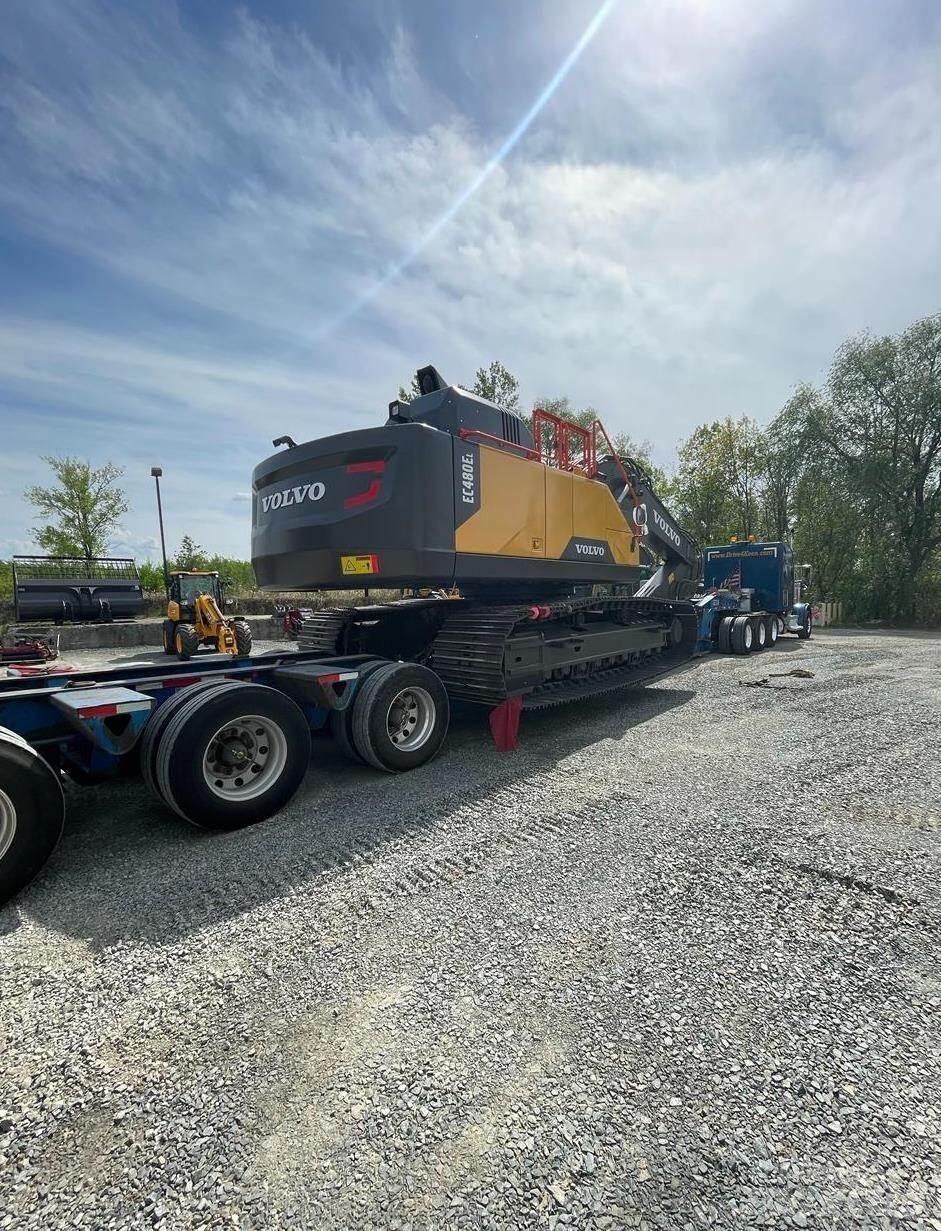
(194, 618)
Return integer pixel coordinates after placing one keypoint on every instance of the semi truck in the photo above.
(751, 594)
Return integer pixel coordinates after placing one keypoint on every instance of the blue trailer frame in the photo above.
(197, 731)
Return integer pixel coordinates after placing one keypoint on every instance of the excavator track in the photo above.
(548, 653)
(575, 648)
(323, 630)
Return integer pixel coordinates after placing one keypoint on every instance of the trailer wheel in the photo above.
(400, 717)
(725, 636)
(340, 722)
(185, 640)
(232, 757)
(760, 633)
(773, 632)
(32, 813)
(150, 740)
(807, 627)
(168, 637)
(743, 635)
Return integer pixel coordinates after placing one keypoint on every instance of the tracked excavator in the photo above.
(520, 549)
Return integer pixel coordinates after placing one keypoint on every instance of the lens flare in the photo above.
(509, 144)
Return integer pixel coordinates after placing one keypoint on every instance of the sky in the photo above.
(223, 223)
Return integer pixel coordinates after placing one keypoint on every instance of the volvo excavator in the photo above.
(520, 549)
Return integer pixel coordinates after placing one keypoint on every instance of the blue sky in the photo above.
(205, 209)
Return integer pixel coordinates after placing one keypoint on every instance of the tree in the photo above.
(702, 499)
(83, 509)
(498, 385)
(412, 392)
(190, 557)
(881, 425)
(786, 460)
(495, 383)
(874, 436)
(151, 576)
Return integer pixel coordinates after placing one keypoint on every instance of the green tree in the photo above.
(412, 392)
(786, 461)
(702, 499)
(880, 426)
(151, 576)
(81, 511)
(497, 384)
(190, 557)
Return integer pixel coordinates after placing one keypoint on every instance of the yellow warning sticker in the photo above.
(355, 565)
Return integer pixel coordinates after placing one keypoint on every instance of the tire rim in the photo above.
(762, 634)
(245, 758)
(410, 718)
(773, 631)
(748, 637)
(7, 822)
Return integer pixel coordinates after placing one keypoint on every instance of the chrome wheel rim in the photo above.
(748, 636)
(410, 718)
(244, 758)
(7, 822)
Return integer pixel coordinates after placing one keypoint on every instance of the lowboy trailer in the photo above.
(224, 744)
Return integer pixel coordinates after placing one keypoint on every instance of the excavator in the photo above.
(194, 618)
(521, 549)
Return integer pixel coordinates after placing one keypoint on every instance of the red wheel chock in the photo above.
(505, 723)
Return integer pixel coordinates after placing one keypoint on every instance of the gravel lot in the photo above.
(674, 963)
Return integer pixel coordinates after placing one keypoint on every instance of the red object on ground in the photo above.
(505, 723)
(41, 669)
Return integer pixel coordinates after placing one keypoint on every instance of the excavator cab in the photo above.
(195, 618)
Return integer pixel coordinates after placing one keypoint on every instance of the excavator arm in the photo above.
(670, 548)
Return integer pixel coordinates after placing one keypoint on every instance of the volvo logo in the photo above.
(590, 549)
(292, 495)
(671, 533)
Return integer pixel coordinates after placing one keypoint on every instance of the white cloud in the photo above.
(716, 197)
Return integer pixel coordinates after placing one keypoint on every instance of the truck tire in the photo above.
(724, 639)
(760, 633)
(232, 757)
(150, 740)
(168, 637)
(185, 641)
(773, 631)
(807, 627)
(243, 638)
(32, 813)
(400, 717)
(743, 635)
(340, 722)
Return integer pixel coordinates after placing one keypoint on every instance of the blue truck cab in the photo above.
(757, 580)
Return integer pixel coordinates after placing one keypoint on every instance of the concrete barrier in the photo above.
(146, 632)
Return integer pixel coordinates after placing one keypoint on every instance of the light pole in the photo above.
(156, 471)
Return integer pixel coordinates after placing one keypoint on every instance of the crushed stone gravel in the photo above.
(672, 964)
